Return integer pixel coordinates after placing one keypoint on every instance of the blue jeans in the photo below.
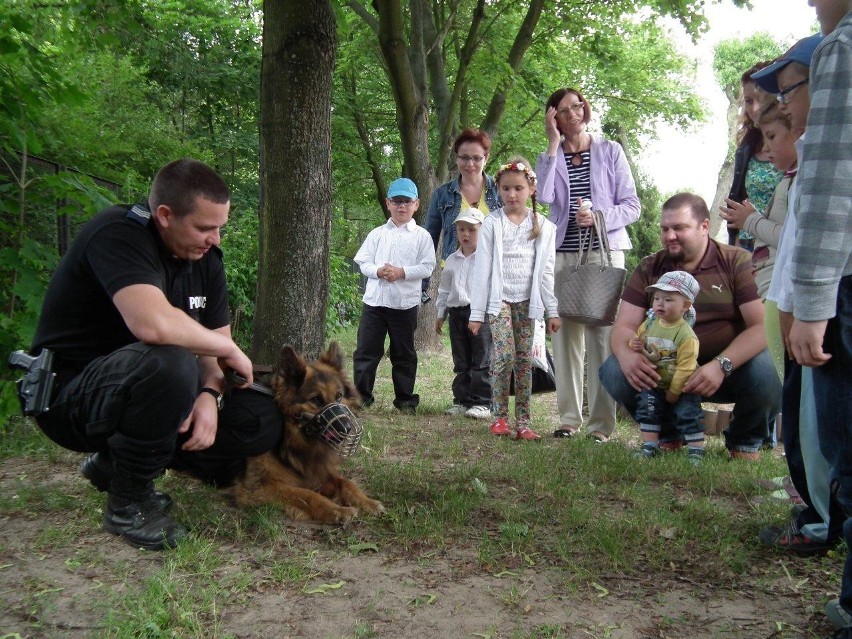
(655, 414)
(833, 394)
(754, 388)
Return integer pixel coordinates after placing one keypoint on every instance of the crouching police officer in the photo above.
(136, 317)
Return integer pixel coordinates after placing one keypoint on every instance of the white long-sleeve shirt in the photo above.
(408, 246)
(781, 283)
(456, 279)
(486, 294)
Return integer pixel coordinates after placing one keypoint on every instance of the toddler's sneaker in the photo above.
(456, 409)
(695, 456)
(648, 451)
(478, 412)
(500, 427)
(525, 432)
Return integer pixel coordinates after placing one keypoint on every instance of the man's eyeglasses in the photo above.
(576, 108)
(783, 96)
(476, 159)
(402, 202)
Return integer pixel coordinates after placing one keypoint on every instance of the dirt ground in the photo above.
(60, 577)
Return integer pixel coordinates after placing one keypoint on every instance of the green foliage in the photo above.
(239, 244)
(117, 89)
(733, 57)
(344, 296)
(645, 232)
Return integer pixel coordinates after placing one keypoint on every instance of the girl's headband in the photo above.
(517, 167)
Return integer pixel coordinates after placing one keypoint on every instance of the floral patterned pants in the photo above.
(512, 336)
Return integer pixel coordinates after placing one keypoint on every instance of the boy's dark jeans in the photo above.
(377, 322)
(833, 393)
(471, 359)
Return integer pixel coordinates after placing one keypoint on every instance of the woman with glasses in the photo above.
(471, 189)
(579, 166)
(755, 178)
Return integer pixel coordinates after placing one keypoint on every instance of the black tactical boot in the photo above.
(98, 470)
(132, 513)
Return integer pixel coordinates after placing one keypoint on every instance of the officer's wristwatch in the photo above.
(725, 364)
(220, 398)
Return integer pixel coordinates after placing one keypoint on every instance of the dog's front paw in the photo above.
(341, 515)
(373, 506)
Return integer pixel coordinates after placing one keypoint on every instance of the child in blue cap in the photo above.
(394, 258)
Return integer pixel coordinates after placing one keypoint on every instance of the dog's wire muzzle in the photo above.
(335, 426)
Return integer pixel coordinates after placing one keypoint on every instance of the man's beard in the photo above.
(677, 256)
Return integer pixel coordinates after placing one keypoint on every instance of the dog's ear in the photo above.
(333, 356)
(291, 368)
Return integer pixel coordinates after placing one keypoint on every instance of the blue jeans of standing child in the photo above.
(833, 393)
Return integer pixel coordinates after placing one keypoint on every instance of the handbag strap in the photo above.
(598, 227)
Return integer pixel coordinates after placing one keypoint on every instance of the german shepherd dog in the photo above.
(301, 475)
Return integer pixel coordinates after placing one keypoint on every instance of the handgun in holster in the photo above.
(36, 387)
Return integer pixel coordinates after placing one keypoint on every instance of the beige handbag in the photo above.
(590, 293)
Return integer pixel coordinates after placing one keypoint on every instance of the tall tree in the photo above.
(299, 47)
(467, 63)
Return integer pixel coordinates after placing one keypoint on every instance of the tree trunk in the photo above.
(299, 47)
(412, 116)
(406, 69)
(718, 230)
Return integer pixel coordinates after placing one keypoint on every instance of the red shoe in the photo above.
(527, 433)
(500, 427)
(671, 446)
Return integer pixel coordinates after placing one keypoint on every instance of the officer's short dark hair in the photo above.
(180, 183)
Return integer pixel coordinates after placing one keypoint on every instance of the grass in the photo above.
(586, 511)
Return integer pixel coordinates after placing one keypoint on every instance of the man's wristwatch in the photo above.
(725, 364)
(220, 398)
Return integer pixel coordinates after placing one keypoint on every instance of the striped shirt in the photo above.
(579, 177)
(727, 282)
(823, 248)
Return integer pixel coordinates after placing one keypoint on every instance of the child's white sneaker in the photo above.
(478, 412)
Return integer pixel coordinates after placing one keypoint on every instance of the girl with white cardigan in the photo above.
(513, 286)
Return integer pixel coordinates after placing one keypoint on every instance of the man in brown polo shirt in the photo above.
(734, 364)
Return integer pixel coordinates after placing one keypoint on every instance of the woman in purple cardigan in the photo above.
(576, 167)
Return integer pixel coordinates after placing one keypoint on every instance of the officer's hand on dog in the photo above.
(240, 364)
(203, 420)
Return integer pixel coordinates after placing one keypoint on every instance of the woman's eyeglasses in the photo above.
(576, 108)
(465, 159)
(783, 96)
